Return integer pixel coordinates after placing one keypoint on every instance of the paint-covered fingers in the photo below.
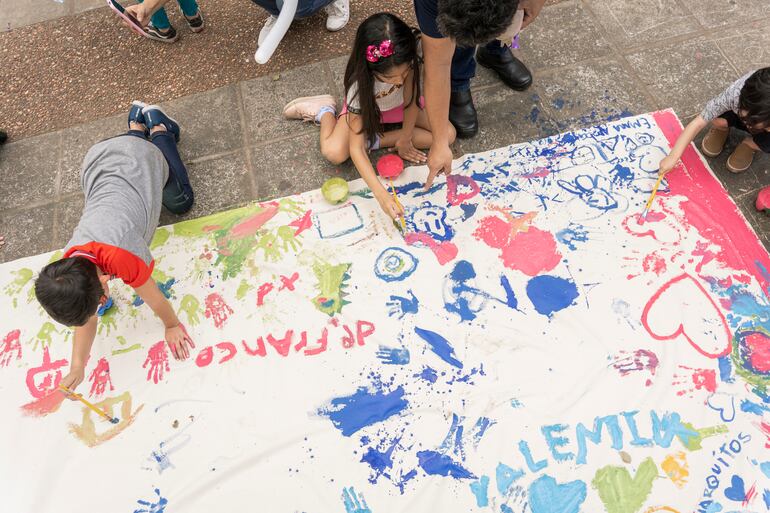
(177, 340)
(390, 206)
(71, 381)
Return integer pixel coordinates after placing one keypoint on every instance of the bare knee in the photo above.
(719, 122)
(335, 154)
(451, 133)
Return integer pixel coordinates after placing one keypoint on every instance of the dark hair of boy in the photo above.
(69, 290)
(474, 22)
(374, 30)
(754, 102)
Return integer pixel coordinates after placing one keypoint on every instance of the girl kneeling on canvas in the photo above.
(382, 84)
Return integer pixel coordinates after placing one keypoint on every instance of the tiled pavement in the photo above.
(592, 59)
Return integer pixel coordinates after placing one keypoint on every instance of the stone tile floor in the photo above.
(592, 59)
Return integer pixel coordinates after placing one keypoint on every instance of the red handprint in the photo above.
(9, 345)
(157, 357)
(217, 309)
(100, 377)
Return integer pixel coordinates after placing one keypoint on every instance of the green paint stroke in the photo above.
(22, 278)
(109, 320)
(235, 233)
(619, 492)
(332, 280)
(693, 443)
(743, 367)
(160, 238)
(127, 349)
(243, 289)
(191, 307)
(45, 335)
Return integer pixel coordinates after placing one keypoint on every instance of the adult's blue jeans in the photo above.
(305, 8)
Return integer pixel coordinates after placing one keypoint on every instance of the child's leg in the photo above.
(177, 193)
(422, 137)
(159, 20)
(136, 129)
(189, 7)
(335, 138)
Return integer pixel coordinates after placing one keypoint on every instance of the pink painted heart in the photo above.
(682, 307)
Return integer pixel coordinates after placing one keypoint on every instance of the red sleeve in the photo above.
(117, 262)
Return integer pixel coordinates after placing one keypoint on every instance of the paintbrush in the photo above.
(80, 398)
(646, 210)
(402, 225)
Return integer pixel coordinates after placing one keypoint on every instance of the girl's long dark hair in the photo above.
(372, 31)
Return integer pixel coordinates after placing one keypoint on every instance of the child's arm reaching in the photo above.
(404, 145)
(81, 350)
(685, 138)
(365, 169)
(176, 336)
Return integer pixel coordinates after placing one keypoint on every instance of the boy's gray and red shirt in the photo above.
(122, 179)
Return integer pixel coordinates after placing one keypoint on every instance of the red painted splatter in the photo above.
(738, 247)
(654, 263)
(9, 346)
(526, 249)
(705, 379)
(250, 225)
(302, 223)
(445, 251)
(758, 349)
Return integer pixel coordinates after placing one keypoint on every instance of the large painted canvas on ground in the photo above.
(527, 346)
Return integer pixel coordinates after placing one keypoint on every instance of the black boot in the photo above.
(462, 114)
(511, 70)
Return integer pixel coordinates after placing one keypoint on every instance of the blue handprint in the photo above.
(401, 306)
(352, 503)
(393, 355)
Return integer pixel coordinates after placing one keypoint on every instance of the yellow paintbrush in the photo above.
(79, 397)
(395, 198)
(649, 201)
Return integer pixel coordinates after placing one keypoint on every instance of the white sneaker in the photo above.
(269, 23)
(338, 15)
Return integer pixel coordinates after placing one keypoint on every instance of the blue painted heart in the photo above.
(736, 491)
(548, 496)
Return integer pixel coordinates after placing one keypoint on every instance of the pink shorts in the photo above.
(395, 115)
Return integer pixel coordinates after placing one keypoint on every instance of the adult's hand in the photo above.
(439, 161)
(531, 9)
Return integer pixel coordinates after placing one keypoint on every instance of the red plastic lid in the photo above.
(390, 166)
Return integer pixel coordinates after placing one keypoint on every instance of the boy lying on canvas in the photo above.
(744, 105)
(125, 180)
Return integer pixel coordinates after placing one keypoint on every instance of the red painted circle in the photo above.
(390, 166)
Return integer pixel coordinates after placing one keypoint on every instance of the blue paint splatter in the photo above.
(547, 496)
(572, 234)
(379, 461)
(754, 408)
(766, 498)
(394, 264)
(165, 288)
(468, 210)
(440, 346)
(150, 506)
(437, 464)
(765, 468)
(364, 408)
(393, 355)
(558, 103)
(621, 174)
(725, 369)
(479, 489)
(428, 374)
(534, 114)
(354, 502)
(549, 294)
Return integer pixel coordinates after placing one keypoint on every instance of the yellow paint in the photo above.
(676, 468)
(653, 509)
(87, 432)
